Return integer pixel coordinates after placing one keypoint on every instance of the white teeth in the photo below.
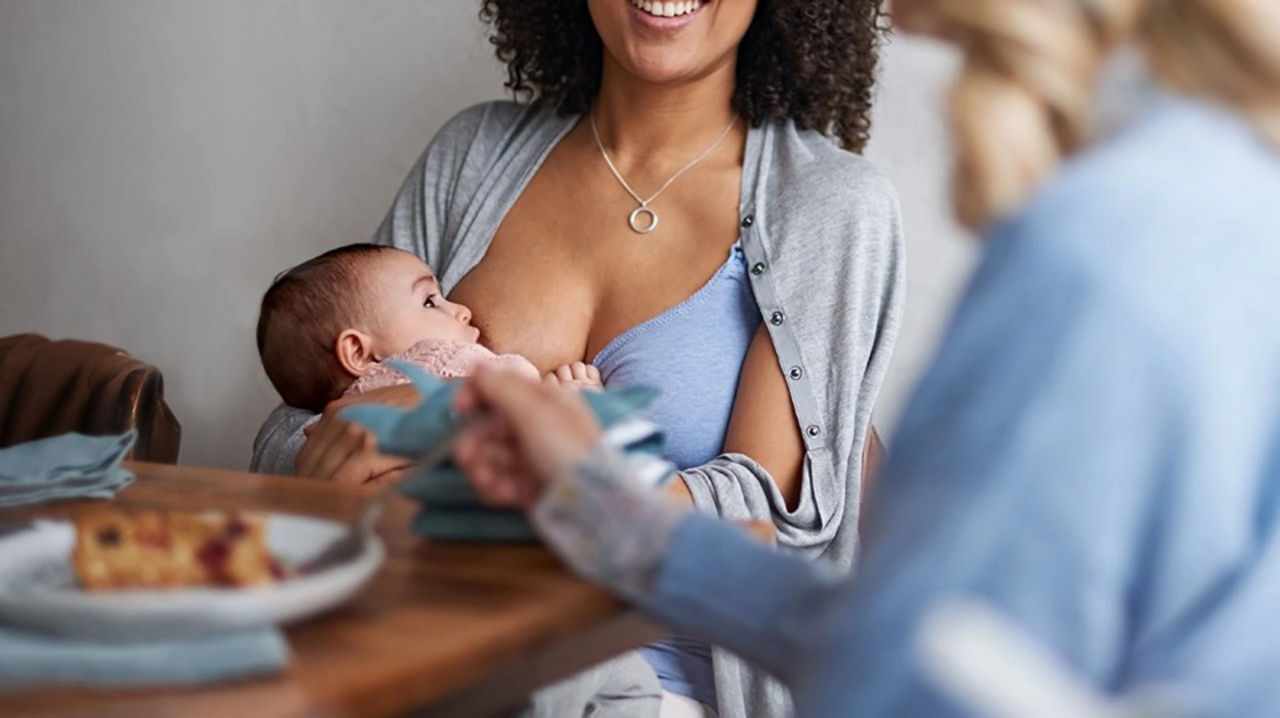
(659, 8)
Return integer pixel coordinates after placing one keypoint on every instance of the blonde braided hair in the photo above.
(1024, 100)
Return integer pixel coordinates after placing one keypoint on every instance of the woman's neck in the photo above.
(641, 121)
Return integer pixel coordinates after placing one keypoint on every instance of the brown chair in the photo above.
(53, 387)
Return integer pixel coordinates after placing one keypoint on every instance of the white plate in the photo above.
(38, 588)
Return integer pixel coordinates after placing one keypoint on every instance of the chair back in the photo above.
(54, 387)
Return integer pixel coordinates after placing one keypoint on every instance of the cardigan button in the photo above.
(796, 372)
(776, 319)
(813, 431)
(758, 268)
(748, 220)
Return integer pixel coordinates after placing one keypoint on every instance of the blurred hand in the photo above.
(532, 435)
(338, 450)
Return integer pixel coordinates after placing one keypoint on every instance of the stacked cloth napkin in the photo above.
(71, 466)
(451, 510)
(75, 466)
(28, 659)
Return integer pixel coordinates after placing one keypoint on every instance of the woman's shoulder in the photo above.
(809, 176)
(820, 159)
(819, 193)
(483, 116)
(490, 124)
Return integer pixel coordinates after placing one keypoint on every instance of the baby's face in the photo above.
(408, 306)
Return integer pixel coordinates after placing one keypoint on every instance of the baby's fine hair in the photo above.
(302, 314)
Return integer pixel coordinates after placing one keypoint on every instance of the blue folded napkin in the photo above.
(451, 509)
(28, 659)
(70, 466)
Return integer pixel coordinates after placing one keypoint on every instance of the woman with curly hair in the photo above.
(677, 199)
(1094, 454)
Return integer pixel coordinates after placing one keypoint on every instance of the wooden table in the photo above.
(456, 629)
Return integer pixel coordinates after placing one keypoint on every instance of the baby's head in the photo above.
(327, 321)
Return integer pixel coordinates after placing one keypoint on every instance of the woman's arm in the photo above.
(324, 446)
(338, 450)
(763, 424)
(698, 574)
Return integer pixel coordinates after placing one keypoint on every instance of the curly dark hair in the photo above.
(809, 61)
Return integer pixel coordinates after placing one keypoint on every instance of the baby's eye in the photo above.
(430, 302)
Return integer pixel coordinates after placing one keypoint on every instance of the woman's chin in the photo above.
(662, 50)
(664, 65)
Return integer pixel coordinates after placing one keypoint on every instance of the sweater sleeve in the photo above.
(279, 440)
(717, 583)
(696, 572)
(701, 575)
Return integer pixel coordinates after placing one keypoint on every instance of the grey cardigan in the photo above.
(822, 237)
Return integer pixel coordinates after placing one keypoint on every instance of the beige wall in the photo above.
(161, 160)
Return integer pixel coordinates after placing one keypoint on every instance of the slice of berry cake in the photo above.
(172, 549)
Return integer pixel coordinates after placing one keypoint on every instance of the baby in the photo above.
(326, 325)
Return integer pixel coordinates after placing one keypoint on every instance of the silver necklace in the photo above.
(632, 219)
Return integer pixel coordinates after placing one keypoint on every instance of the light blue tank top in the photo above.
(693, 354)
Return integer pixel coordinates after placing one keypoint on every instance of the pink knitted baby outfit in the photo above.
(441, 358)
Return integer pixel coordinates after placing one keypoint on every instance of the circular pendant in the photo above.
(635, 225)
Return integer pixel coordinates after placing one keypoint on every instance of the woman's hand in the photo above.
(338, 450)
(532, 434)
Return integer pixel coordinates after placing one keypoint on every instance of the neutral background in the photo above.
(161, 160)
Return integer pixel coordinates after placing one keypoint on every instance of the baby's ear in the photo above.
(354, 350)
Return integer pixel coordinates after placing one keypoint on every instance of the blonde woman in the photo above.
(1096, 451)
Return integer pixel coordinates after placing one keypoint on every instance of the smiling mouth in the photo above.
(668, 9)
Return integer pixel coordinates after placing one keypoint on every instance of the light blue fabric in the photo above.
(27, 659)
(1095, 453)
(70, 466)
(451, 510)
(693, 354)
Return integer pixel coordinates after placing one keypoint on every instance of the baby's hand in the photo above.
(579, 375)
